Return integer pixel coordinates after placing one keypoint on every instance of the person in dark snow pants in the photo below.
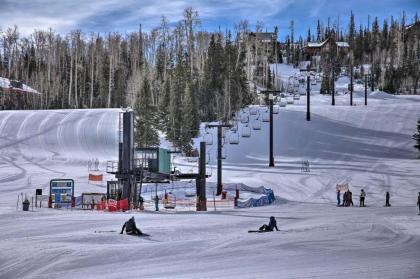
(350, 197)
(387, 199)
(131, 228)
(270, 227)
(338, 198)
(362, 198)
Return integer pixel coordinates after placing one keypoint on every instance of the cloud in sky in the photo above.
(125, 15)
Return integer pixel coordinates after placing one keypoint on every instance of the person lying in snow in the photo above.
(130, 228)
(270, 227)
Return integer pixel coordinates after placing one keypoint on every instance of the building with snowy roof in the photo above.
(15, 94)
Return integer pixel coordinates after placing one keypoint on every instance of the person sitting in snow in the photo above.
(270, 227)
(131, 228)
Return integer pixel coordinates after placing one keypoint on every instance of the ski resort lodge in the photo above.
(316, 49)
(17, 95)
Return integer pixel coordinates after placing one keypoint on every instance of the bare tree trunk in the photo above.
(71, 78)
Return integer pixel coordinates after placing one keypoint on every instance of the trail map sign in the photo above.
(61, 192)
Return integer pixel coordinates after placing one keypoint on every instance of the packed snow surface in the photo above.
(368, 147)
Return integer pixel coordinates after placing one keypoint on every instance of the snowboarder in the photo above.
(131, 228)
(338, 198)
(362, 198)
(270, 227)
(387, 199)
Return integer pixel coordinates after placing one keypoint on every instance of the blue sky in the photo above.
(125, 15)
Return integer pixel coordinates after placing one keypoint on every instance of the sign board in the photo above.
(42, 197)
(61, 191)
(342, 187)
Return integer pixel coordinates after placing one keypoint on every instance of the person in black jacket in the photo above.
(387, 199)
(270, 227)
(131, 228)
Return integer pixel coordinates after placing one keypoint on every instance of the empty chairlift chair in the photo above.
(246, 131)
(245, 118)
(256, 124)
(208, 138)
(253, 110)
(234, 127)
(224, 153)
(234, 138)
(275, 109)
(266, 116)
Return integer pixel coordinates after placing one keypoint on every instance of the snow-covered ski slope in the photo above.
(36, 146)
(368, 147)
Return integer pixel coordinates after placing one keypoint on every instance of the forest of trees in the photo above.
(175, 77)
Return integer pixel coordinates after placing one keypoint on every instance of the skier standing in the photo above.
(362, 198)
(350, 198)
(387, 199)
(338, 198)
(345, 197)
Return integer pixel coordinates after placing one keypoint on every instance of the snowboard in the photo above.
(258, 231)
(104, 231)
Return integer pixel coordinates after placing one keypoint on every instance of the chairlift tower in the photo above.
(308, 92)
(271, 94)
(219, 153)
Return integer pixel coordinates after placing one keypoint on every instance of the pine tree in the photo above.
(190, 120)
(145, 113)
(352, 31)
(318, 32)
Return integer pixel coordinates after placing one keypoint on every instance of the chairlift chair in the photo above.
(224, 153)
(246, 131)
(192, 159)
(208, 138)
(245, 118)
(276, 109)
(207, 157)
(256, 124)
(266, 116)
(234, 138)
(253, 111)
(282, 104)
